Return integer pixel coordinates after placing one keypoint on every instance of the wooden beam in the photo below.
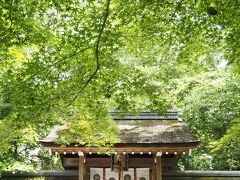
(131, 146)
(81, 168)
(140, 162)
(107, 162)
(153, 148)
(159, 167)
(98, 162)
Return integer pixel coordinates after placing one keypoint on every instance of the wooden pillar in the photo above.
(159, 167)
(86, 172)
(81, 166)
(104, 173)
(119, 175)
(153, 169)
(135, 174)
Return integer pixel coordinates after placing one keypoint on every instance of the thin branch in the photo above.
(166, 23)
(96, 54)
(9, 17)
(152, 35)
(59, 60)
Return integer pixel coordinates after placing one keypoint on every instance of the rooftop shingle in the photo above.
(145, 127)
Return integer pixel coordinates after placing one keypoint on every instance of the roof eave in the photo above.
(192, 144)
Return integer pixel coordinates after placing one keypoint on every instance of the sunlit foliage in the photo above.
(69, 62)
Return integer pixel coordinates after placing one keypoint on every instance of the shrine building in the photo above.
(149, 145)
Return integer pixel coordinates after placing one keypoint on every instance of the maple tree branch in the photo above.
(59, 60)
(96, 54)
(171, 17)
(9, 17)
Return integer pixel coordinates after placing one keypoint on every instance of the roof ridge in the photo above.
(145, 115)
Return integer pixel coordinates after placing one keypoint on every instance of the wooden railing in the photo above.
(72, 175)
(202, 175)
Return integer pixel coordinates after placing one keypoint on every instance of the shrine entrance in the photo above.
(131, 174)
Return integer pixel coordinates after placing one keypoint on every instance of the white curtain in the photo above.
(96, 173)
(128, 174)
(111, 175)
(143, 174)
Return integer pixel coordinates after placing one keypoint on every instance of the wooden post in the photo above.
(81, 166)
(135, 174)
(104, 173)
(153, 169)
(159, 167)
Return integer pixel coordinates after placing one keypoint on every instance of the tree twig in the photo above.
(60, 60)
(96, 54)
(9, 17)
(171, 17)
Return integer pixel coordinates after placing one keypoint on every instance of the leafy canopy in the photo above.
(69, 62)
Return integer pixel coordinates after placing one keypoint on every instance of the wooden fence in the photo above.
(73, 175)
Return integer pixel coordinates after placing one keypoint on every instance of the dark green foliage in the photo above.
(68, 62)
(212, 110)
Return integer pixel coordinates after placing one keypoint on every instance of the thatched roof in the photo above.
(155, 131)
(145, 127)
